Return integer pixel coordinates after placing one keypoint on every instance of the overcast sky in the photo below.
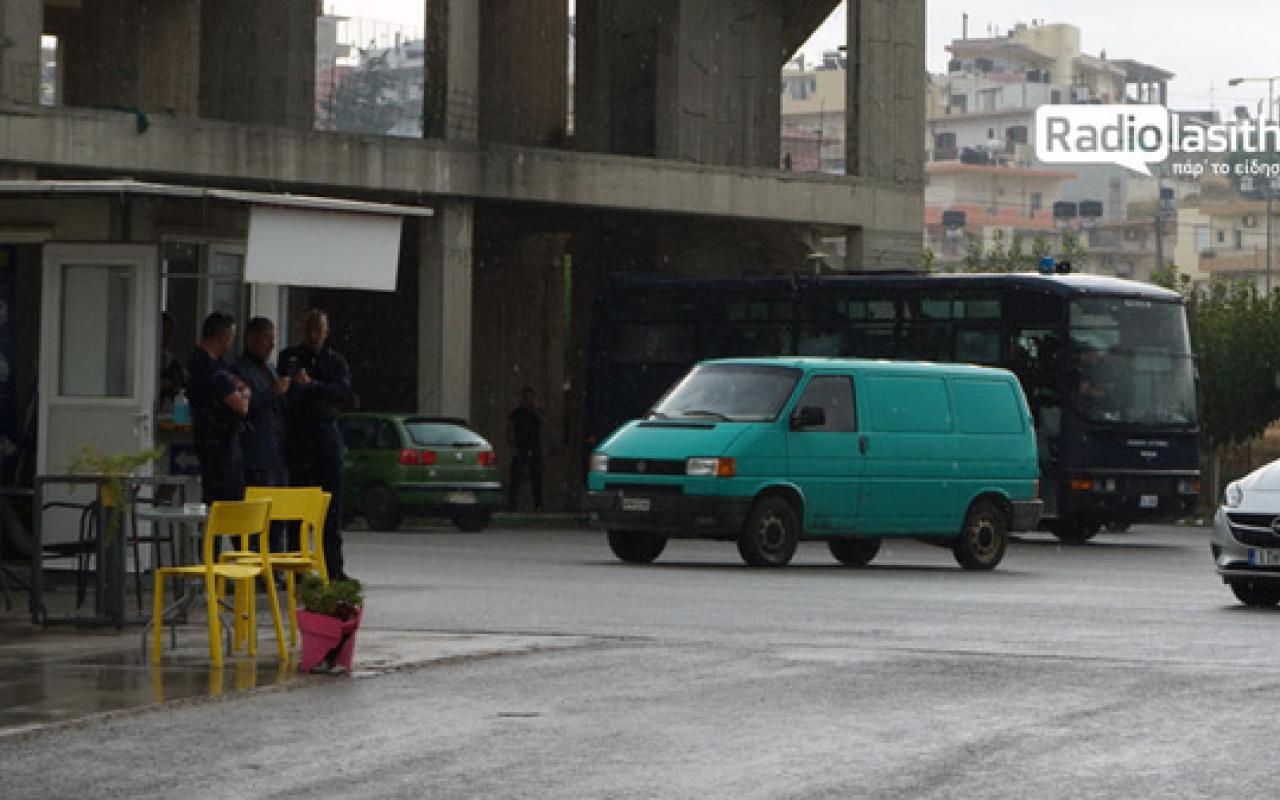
(1204, 43)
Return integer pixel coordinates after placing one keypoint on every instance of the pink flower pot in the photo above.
(327, 642)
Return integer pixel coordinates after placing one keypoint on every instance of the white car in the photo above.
(1246, 537)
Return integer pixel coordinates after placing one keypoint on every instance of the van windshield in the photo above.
(728, 393)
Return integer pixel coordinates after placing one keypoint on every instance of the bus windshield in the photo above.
(728, 393)
(1133, 362)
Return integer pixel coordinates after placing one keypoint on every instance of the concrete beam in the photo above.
(444, 310)
(21, 23)
(419, 170)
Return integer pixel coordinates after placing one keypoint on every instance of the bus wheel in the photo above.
(982, 542)
(1255, 594)
(772, 532)
(854, 552)
(636, 547)
(1075, 532)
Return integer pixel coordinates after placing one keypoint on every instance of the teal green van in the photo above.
(769, 452)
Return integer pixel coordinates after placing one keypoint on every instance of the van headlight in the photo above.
(599, 462)
(1233, 496)
(711, 467)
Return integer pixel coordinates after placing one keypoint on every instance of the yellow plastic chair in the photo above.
(241, 520)
(307, 505)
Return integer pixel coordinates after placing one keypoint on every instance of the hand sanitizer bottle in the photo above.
(181, 409)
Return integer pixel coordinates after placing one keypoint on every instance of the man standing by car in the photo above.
(524, 433)
(262, 440)
(320, 383)
(219, 402)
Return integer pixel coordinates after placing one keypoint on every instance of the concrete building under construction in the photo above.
(180, 170)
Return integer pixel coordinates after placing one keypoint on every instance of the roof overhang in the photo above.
(278, 199)
(294, 240)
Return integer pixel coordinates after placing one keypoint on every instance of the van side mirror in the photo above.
(809, 417)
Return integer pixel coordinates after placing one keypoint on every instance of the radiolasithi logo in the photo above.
(1136, 136)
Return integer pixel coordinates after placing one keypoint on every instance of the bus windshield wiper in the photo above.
(698, 412)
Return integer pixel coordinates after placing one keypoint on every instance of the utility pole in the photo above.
(1262, 138)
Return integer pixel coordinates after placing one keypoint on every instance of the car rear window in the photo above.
(441, 434)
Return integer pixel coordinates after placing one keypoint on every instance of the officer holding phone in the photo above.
(319, 385)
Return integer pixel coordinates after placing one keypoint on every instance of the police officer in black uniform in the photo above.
(320, 383)
(219, 402)
(262, 440)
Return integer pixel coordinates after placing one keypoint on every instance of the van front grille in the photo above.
(646, 466)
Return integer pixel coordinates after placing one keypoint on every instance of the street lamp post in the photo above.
(1270, 186)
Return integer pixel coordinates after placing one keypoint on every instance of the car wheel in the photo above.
(1256, 594)
(381, 510)
(771, 535)
(854, 552)
(636, 547)
(982, 542)
(472, 521)
(1075, 533)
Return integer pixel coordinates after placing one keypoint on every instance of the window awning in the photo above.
(331, 249)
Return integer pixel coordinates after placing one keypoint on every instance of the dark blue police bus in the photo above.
(1106, 364)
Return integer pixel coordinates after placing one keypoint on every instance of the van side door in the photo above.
(822, 452)
(907, 439)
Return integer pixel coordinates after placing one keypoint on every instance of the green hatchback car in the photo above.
(397, 465)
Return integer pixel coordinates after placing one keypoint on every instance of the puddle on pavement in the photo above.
(36, 691)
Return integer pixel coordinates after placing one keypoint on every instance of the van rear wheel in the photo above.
(771, 535)
(854, 552)
(637, 547)
(982, 541)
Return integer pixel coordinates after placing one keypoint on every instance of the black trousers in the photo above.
(317, 461)
(530, 460)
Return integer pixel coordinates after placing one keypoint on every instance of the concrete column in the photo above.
(523, 63)
(886, 107)
(717, 88)
(886, 88)
(615, 79)
(136, 54)
(451, 105)
(21, 23)
(444, 310)
(258, 62)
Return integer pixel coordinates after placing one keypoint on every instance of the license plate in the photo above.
(1264, 558)
(461, 498)
(1149, 501)
(635, 504)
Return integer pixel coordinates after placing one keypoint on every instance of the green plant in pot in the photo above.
(115, 471)
(328, 619)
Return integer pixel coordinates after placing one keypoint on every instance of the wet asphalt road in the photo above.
(1121, 669)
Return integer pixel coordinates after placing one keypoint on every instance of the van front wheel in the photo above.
(854, 552)
(636, 547)
(982, 542)
(772, 532)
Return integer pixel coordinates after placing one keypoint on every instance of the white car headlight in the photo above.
(1233, 496)
(599, 462)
